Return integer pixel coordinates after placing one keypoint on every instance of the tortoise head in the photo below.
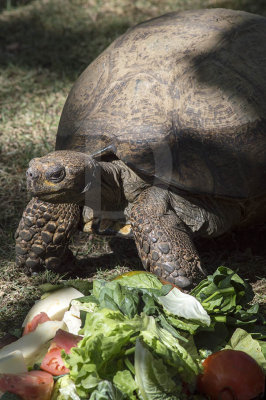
(61, 176)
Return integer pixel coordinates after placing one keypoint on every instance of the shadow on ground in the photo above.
(63, 41)
(244, 251)
(64, 38)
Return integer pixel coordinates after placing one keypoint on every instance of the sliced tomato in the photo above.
(53, 362)
(231, 374)
(65, 340)
(33, 385)
(38, 319)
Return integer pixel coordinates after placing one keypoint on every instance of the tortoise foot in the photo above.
(43, 234)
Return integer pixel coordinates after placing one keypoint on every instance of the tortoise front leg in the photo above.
(43, 234)
(163, 241)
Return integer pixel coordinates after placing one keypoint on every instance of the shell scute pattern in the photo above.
(177, 88)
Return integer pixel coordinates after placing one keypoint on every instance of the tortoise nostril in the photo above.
(32, 174)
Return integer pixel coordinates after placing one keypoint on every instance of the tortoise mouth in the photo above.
(58, 196)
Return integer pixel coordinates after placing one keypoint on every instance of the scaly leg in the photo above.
(163, 241)
(43, 234)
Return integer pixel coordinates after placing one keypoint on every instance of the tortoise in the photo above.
(166, 129)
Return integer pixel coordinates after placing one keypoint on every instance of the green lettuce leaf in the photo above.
(107, 391)
(80, 284)
(153, 377)
(223, 291)
(141, 280)
(171, 350)
(184, 305)
(109, 338)
(129, 300)
(65, 389)
(125, 382)
(226, 296)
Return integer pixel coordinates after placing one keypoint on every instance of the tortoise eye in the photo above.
(56, 173)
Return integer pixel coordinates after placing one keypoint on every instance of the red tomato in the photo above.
(38, 319)
(33, 385)
(53, 361)
(231, 375)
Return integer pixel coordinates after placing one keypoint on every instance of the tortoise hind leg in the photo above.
(43, 234)
(163, 241)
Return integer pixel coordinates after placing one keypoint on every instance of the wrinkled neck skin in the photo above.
(119, 185)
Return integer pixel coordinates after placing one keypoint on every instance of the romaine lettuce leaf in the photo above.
(184, 305)
(129, 300)
(171, 350)
(125, 382)
(153, 377)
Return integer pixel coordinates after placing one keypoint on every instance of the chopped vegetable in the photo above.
(139, 279)
(185, 306)
(65, 389)
(31, 344)
(54, 305)
(53, 362)
(106, 390)
(13, 363)
(223, 292)
(145, 340)
(231, 374)
(33, 385)
(38, 319)
(72, 317)
(153, 377)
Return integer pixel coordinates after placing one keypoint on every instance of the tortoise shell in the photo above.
(181, 98)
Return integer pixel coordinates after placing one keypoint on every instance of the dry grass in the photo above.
(45, 44)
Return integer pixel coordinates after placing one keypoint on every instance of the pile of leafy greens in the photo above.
(145, 340)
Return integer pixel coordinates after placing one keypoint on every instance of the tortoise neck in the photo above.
(105, 191)
(114, 185)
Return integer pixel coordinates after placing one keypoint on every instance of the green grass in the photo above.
(44, 46)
